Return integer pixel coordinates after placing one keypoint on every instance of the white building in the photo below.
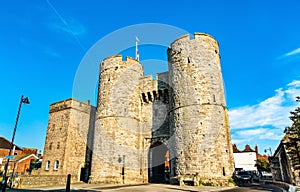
(245, 159)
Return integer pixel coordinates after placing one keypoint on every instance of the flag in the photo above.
(137, 56)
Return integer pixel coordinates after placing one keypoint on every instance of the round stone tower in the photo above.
(201, 143)
(116, 138)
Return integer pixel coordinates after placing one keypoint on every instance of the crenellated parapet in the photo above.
(116, 62)
(70, 103)
(153, 90)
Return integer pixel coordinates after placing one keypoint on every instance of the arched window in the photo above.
(47, 165)
(56, 164)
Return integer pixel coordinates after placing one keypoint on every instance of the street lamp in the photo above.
(22, 100)
(269, 150)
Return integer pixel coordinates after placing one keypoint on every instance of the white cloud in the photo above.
(258, 133)
(272, 112)
(52, 53)
(239, 141)
(272, 134)
(70, 26)
(251, 132)
(294, 52)
(295, 83)
(264, 122)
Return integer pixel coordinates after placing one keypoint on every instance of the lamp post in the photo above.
(22, 100)
(269, 150)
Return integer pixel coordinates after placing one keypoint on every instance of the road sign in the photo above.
(10, 157)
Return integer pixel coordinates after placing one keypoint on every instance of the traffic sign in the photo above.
(10, 157)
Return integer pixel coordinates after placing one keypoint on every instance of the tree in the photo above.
(292, 136)
(34, 165)
(263, 165)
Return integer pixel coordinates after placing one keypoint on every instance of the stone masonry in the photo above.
(66, 150)
(139, 120)
(198, 113)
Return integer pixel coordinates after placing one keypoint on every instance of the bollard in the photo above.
(68, 183)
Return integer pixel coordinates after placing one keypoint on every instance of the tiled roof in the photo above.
(5, 144)
(21, 157)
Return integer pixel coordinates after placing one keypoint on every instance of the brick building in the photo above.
(20, 164)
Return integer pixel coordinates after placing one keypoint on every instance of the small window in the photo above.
(47, 165)
(56, 164)
(50, 146)
(58, 145)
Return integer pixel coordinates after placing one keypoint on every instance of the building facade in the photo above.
(245, 159)
(140, 123)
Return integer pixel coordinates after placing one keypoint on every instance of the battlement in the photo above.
(152, 90)
(118, 61)
(120, 58)
(197, 36)
(70, 103)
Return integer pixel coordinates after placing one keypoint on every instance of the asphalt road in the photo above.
(159, 188)
(255, 187)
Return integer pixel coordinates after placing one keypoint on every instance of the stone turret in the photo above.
(117, 130)
(199, 123)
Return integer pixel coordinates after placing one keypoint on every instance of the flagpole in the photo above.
(137, 57)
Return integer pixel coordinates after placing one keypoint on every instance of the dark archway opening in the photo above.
(158, 163)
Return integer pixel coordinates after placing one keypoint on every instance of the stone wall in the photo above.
(285, 161)
(198, 113)
(44, 180)
(70, 121)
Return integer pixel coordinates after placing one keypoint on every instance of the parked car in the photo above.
(243, 177)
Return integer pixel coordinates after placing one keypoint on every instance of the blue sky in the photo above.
(43, 43)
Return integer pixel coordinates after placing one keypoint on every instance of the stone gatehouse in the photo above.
(171, 129)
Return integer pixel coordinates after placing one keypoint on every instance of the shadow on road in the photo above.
(181, 189)
(243, 187)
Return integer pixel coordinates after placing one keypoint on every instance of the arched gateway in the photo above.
(158, 163)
